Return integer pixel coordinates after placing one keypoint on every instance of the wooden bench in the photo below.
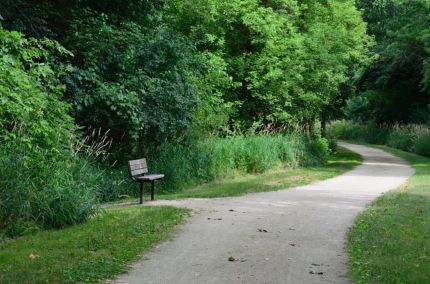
(137, 170)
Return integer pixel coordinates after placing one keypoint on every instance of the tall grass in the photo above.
(186, 165)
(38, 192)
(43, 188)
(412, 138)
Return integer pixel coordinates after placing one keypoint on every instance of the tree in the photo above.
(395, 88)
(131, 75)
(286, 60)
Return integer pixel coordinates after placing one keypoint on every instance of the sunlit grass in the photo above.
(390, 241)
(97, 249)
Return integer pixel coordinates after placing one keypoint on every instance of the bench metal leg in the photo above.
(152, 190)
(141, 193)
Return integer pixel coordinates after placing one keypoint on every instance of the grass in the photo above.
(95, 250)
(390, 241)
(341, 161)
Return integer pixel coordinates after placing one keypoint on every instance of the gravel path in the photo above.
(288, 236)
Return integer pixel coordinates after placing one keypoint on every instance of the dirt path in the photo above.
(289, 236)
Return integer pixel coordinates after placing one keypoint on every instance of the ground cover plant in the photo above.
(390, 241)
(98, 249)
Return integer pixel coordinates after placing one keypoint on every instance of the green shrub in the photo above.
(400, 138)
(422, 145)
(332, 144)
(37, 192)
(42, 183)
(320, 151)
(110, 183)
(68, 197)
(31, 94)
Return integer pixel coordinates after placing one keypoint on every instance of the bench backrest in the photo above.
(137, 167)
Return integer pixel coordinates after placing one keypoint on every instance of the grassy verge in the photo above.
(390, 241)
(341, 161)
(97, 249)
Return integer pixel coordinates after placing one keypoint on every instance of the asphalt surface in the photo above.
(289, 236)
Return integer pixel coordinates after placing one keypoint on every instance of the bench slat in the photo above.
(138, 172)
(137, 167)
(150, 177)
(137, 162)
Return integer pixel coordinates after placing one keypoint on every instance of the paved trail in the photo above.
(306, 228)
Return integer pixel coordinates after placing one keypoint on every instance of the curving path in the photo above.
(306, 229)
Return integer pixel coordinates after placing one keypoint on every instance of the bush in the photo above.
(400, 138)
(320, 149)
(41, 183)
(332, 144)
(36, 191)
(422, 145)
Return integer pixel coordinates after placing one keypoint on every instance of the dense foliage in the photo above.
(30, 102)
(396, 87)
(40, 180)
(152, 71)
(280, 63)
(131, 74)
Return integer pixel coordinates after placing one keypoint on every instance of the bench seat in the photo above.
(148, 177)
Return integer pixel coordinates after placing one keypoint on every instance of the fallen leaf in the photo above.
(33, 255)
(319, 273)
